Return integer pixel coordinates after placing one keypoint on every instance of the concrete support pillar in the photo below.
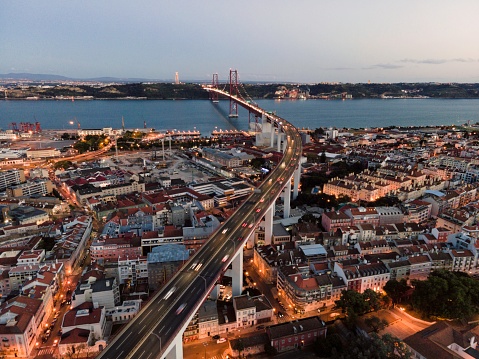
(271, 139)
(268, 225)
(280, 135)
(250, 241)
(237, 273)
(176, 351)
(287, 199)
(297, 176)
(215, 292)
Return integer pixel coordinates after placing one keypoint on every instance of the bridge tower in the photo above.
(233, 92)
(214, 84)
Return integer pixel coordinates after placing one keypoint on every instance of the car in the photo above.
(262, 199)
(215, 337)
(240, 239)
(225, 258)
(198, 267)
(224, 230)
(280, 314)
(55, 342)
(244, 224)
(250, 225)
(180, 308)
(258, 210)
(170, 292)
(221, 340)
(259, 327)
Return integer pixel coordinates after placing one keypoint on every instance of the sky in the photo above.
(304, 41)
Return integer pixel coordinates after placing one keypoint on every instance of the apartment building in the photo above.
(10, 178)
(35, 187)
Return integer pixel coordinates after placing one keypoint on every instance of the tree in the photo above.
(257, 163)
(396, 290)
(307, 217)
(375, 323)
(355, 304)
(63, 164)
(375, 347)
(319, 132)
(325, 347)
(269, 349)
(447, 294)
(238, 345)
(322, 158)
(373, 299)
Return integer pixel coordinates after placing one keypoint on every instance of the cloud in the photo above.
(383, 66)
(437, 61)
(340, 68)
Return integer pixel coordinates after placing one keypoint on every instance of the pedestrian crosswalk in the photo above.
(45, 351)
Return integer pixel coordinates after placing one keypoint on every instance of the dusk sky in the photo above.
(265, 40)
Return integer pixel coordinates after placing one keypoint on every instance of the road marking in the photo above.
(125, 339)
(146, 316)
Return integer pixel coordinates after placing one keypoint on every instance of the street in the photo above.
(405, 326)
(207, 348)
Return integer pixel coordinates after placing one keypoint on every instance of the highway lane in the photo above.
(155, 327)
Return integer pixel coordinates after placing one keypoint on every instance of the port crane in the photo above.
(72, 122)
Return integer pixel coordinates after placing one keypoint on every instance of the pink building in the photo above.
(333, 220)
(363, 215)
(111, 248)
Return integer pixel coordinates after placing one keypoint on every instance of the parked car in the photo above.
(215, 337)
(221, 340)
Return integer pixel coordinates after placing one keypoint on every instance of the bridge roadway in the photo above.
(150, 333)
